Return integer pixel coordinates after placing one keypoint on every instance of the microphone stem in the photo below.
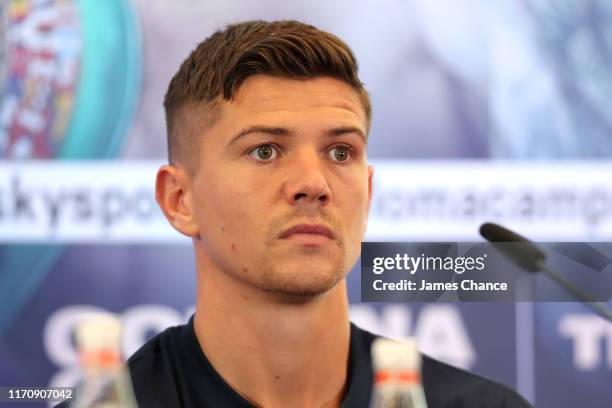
(597, 307)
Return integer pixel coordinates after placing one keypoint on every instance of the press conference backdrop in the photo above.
(483, 111)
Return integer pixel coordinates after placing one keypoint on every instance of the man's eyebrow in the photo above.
(279, 131)
(348, 129)
(275, 131)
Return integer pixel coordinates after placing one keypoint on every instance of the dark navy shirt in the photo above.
(171, 370)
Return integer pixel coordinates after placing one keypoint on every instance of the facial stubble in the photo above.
(312, 271)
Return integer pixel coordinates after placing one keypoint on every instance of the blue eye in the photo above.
(264, 152)
(340, 153)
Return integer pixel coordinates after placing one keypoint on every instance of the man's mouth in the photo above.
(309, 233)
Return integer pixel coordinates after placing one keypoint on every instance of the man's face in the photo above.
(282, 188)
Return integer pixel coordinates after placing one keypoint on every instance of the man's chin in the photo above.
(300, 295)
(302, 285)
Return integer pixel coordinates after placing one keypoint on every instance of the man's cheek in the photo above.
(237, 218)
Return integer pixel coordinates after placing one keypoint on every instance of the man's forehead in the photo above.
(262, 93)
(270, 101)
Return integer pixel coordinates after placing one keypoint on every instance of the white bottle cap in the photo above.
(394, 355)
(99, 331)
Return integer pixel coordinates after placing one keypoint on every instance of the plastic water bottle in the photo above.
(106, 381)
(397, 375)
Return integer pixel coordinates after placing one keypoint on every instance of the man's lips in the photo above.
(314, 229)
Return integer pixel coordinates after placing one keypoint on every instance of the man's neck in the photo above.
(273, 353)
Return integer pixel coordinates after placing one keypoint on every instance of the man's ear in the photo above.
(174, 196)
(370, 178)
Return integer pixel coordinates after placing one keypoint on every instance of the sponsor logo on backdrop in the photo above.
(40, 69)
(114, 201)
(69, 81)
(58, 97)
(591, 339)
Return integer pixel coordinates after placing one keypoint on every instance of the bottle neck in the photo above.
(397, 377)
(100, 359)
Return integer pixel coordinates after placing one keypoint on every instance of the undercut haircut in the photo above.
(219, 65)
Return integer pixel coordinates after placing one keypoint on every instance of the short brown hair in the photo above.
(220, 64)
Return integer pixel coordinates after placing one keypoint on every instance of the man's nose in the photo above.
(306, 182)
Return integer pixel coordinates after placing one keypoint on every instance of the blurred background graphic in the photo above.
(483, 111)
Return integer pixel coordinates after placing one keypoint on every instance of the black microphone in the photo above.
(522, 251)
(529, 257)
